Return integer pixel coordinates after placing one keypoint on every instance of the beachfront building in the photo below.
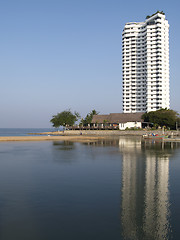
(120, 121)
(145, 64)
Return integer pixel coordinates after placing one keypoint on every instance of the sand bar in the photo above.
(51, 138)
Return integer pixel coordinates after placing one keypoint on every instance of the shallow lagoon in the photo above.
(112, 189)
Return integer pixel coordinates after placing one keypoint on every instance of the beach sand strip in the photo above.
(50, 138)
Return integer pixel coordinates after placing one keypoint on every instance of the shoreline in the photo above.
(106, 132)
(49, 138)
(75, 138)
(86, 135)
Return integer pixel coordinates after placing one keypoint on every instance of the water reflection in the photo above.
(65, 145)
(64, 152)
(145, 189)
(145, 203)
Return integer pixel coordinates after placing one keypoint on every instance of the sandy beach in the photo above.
(75, 136)
(51, 138)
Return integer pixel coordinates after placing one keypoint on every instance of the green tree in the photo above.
(162, 117)
(65, 118)
(147, 17)
(89, 117)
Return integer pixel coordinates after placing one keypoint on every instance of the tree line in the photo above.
(161, 118)
(66, 118)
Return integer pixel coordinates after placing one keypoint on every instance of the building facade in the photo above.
(121, 121)
(145, 48)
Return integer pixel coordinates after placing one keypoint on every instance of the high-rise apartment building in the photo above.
(145, 47)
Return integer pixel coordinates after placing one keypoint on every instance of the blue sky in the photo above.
(66, 54)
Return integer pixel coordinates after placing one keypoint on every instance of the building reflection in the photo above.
(145, 189)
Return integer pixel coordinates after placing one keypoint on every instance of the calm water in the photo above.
(22, 131)
(116, 189)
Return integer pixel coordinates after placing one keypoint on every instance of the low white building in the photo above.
(121, 121)
(123, 126)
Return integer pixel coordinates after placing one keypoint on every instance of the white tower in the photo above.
(145, 47)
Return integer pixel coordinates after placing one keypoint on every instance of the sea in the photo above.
(117, 188)
(23, 131)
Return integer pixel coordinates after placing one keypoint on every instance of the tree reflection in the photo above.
(64, 145)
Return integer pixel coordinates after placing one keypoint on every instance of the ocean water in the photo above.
(120, 188)
(23, 131)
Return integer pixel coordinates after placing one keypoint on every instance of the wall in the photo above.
(114, 132)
